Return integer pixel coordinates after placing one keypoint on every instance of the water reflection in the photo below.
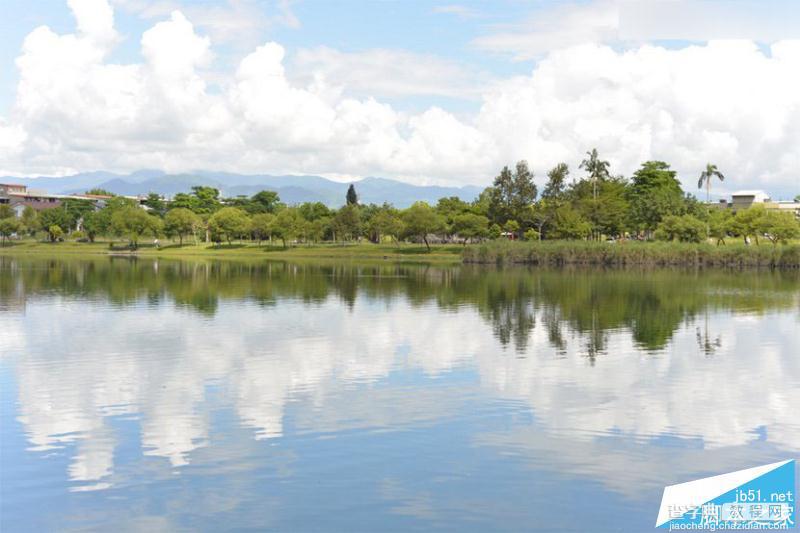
(600, 372)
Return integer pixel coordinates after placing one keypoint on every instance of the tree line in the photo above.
(651, 204)
(651, 304)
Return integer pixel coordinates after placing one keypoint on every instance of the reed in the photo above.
(633, 253)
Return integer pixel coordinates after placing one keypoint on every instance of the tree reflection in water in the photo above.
(650, 304)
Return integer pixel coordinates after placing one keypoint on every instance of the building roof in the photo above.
(30, 194)
(753, 192)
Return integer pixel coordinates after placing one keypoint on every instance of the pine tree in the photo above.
(352, 197)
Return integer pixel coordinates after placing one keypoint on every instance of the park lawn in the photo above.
(411, 253)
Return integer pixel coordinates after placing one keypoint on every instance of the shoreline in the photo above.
(632, 253)
(532, 253)
(406, 253)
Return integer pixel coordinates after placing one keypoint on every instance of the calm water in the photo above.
(144, 395)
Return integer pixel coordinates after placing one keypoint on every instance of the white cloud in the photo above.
(462, 12)
(565, 24)
(556, 27)
(726, 102)
(95, 19)
(238, 22)
(710, 19)
(388, 73)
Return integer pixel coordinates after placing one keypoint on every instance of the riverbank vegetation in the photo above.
(595, 207)
(633, 253)
(361, 252)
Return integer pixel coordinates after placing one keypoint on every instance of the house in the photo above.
(745, 199)
(19, 196)
(11, 188)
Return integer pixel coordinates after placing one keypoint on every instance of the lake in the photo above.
(178, 395)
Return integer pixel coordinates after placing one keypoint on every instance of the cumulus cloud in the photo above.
(728, 102)
(725, 102)
(236, 22)
(389, 73)
(557, 27)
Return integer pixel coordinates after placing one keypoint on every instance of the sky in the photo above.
(429, 92)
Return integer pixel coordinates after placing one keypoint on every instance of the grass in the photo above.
(551, 253)
(405, 253)
(634, 253)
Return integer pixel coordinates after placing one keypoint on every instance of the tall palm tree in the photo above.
(706, 176)
(597, 169)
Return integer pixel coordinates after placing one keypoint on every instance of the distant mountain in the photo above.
(291, 189)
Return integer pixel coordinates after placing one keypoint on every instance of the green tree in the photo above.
(54, 216)
(351, 197)
(543, 215)
(710, 172)
(511, 226)
(55, 233)
(685, 228)
(75, 210)
(288, 224)
(30, 220)
(116, 203)
(779, 227)
(470, 226)
(597, 169)
(96, 223)
(133, 223)
(532, 235)
(202, 200)
(512, 194)
(603, 204)
(313, 210)
(422, 220)
(181, 222)
(156, 204)
(8, 227)
(720, 224)
(261, 225)
(386, 222)
(450, 208)
(556, 182)
(347, 222)
(318, 228)
(480, 205)
(230, 222)
(240, 202)
(6, 211)
(99, 192)
(654, 193)
(569, 224)
(747, 222)
(264, 202)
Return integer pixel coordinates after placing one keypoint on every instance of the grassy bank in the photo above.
(634, 253)
(550, 253)
(410, 253)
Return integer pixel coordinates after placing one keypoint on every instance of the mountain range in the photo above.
(291, 189)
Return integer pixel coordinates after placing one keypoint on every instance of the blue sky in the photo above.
(439, 28)
(429, 92)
